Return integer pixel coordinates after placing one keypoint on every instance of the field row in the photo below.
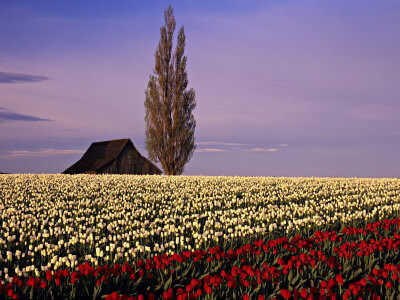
(353, 263)
(53, 222)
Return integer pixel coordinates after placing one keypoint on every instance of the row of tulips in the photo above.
(348, 264)
(54, 222)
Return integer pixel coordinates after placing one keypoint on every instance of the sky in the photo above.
(283, 88)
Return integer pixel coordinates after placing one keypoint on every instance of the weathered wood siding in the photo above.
(129, 162)
(149, 168)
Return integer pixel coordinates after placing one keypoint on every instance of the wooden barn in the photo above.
(113, 157)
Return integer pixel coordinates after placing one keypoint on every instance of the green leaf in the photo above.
(290, 276)
(184, 273)
(96, 291)
(355, 274)
(390, 295)
(398, 294)
(162, 278)
(277, 288)
(295, 279)
(86, 288)
(347, 268)
(25, 289)
(168, 284)
(51, 293)
(371, 265)
(73, 293)
(202, 276)
(300, 284)
(178, 285)
(276, 291)
(137, 282)
(255, 291)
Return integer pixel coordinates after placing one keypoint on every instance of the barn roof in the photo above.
(99, 154)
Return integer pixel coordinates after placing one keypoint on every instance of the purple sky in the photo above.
(284, 88)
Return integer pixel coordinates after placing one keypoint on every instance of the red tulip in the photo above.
(114, 296)
(304, 293)
(285, 293)
(48, 275)
(165, 295)
(198, 293)
(339, 279)
(363, 282)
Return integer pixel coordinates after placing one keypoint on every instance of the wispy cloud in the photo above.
(70, 129)
(261, 150)
(40, 153)
(7, 77)
(280, 82)
(6, 115)
(231, 146)
(220, 144)
(210, 150)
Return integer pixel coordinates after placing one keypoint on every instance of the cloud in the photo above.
(280, 82)
(220, 143)
(261, 150)
(210, 150)
(40, 153)
(234, 147)
(7, 77)
(70, 129)
(6, 115)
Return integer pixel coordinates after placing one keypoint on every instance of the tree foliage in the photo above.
(170, 123)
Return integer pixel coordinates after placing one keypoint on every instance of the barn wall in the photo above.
(110, 168)
(154, 170)
(123, 164)
(149, 168)
(129, 162)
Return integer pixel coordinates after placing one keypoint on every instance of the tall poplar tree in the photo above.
(170, 123)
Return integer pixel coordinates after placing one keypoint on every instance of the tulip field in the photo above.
(198, 237)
